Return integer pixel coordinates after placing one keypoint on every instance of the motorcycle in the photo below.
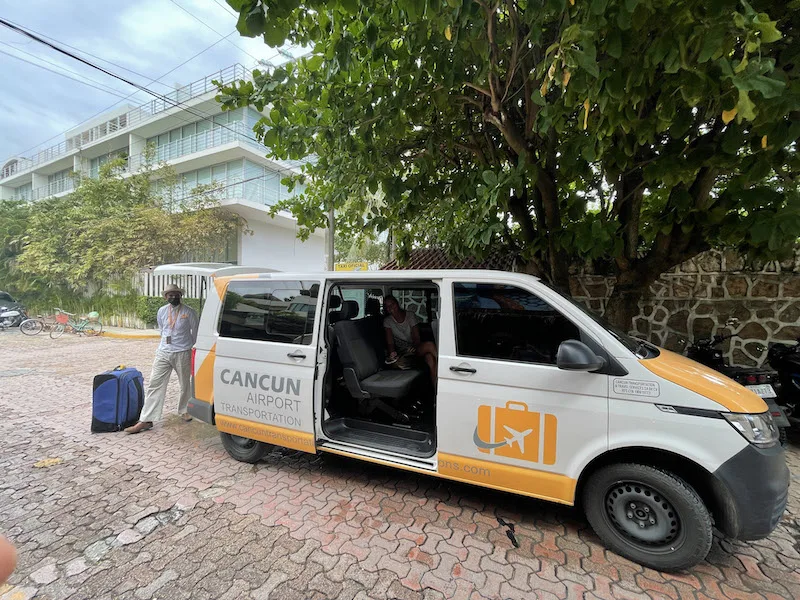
(758, 380)
(11, 318)
(785, 359)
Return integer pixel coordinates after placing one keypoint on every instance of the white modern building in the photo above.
(203, 144)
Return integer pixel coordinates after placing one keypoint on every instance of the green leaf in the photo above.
(274, 34)
(490, 178)
(537, 98)
(598, 7)
(745, 107)
(275, 116)
(587, 62)
(614, 43)
(767, 86)
(769, 33)
(351, 6)
(270, 138)
(315, 62)
(712, 44)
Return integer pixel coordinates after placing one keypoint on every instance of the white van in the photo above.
(532, 395)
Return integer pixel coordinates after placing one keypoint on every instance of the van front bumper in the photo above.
(201, 410)
(753, 489)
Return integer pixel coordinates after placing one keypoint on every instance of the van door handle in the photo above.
(296, 354)
(463, 370)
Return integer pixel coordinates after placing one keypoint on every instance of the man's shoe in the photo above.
(139, 427)
(186, 417)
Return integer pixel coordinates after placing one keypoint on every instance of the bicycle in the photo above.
(37, 324)
(85, 326)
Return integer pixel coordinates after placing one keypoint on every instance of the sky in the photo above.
(149, 37)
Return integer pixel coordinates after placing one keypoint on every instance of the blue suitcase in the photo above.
(117, 399)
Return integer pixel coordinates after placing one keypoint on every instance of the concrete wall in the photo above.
(278, 248)
(698, 297)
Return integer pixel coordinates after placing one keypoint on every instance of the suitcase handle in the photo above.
(118, 368)
(511, 404)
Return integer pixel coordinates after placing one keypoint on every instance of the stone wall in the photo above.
(696, 299)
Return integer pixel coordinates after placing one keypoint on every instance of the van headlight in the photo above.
(759, 430)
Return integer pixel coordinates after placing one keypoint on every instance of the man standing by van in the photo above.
(178, 324)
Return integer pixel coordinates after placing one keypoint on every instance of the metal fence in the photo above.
(148, 284)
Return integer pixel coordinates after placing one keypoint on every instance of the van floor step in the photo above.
(388, 438)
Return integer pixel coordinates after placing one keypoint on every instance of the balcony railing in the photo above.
(51, 189)
(133, 117)
(219, 136)
(266, 190)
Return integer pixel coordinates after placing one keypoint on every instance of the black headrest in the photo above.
(349, 309)
(335, 302)
(372, 307)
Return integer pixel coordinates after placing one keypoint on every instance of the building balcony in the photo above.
(130, 119)
(53, 188)
(199, 142)
(264, 190)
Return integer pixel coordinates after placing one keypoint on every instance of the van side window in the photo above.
(504, 322)
(270, 311)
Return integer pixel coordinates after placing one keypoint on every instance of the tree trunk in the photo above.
(623, 305)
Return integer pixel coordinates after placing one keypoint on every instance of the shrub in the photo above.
(147, 307)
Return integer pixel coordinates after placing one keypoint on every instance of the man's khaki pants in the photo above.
(163, 365)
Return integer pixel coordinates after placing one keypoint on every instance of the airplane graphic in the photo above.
(517, 437)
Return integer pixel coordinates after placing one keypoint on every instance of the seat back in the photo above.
(356, 347)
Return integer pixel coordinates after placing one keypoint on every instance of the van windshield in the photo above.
(640, 348)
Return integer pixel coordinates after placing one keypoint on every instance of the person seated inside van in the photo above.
(402, 336)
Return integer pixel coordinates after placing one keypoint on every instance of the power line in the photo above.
(97, 87)
(199, 20)
(105, 60)
(225, 8)
(49, 62)
(165, 99)
(191, 58)
(161, 97)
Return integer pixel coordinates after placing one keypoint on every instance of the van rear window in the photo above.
(270, 311)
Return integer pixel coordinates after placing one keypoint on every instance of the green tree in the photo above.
(112, 226)
(631, 134)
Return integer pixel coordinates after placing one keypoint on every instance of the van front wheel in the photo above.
(649, 516)
(244, 449)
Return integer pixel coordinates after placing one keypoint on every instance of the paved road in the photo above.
(167, 514)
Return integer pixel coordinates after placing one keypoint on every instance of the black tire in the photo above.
(31, 326)
(58, 330)
(648, 516)
(244, 449)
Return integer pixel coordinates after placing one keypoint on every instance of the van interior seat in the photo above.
(361, 353)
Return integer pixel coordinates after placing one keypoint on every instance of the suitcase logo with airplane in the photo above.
(513, 431)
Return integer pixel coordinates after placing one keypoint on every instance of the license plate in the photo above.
(764, 390)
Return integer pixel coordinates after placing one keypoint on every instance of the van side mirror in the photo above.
(577, 356)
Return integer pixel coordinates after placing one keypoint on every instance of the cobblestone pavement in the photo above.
(167, 514)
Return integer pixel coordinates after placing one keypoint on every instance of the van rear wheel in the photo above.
(649, 516)
(244, 449)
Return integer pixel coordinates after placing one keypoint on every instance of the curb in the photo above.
(130, 336)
